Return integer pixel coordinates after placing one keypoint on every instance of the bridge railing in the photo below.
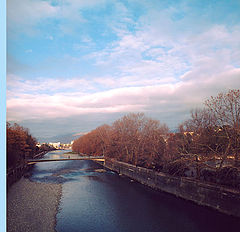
(98, 158)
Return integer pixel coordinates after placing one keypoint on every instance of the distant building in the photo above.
(65, 146)
(55, 145)
(38, 145)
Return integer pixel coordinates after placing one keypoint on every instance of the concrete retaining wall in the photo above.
(217, 197)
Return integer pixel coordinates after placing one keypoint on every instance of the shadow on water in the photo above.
(96, 201)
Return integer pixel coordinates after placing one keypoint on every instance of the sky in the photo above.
(73, 65)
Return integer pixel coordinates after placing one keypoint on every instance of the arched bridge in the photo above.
(96, 158)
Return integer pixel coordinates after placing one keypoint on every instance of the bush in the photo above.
(176, 168)
(229, 176)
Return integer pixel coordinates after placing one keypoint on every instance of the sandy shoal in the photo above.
(32, 206)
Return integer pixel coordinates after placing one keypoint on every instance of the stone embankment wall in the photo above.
(40, 155)
(217, 197)
(14, 174)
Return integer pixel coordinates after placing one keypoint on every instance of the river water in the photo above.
(97, 200)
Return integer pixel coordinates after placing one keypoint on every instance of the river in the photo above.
(97, 200)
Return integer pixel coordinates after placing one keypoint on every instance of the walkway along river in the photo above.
(99, 200)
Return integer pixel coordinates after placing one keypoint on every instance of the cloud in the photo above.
(23, 16)
(20, 85)
(149, 53)
(82, 3)
(28, 51)
(80, 133)
(50, 37)
(160, 59)
(161, 98)
(86, 42)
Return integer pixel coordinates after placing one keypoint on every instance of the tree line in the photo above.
(21, 145)
(206, 146)
(134, 138)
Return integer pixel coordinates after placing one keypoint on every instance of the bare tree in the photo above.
(134, 138)
(225, 108)
(200, 118)
(216, 127)
(137, 139)
(103, 136)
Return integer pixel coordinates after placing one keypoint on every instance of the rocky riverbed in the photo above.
(32, 206)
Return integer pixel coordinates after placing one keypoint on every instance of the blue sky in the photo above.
(75, 64)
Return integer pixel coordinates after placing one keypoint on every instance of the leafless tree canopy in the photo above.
(134, 138)
(216, 128)
(206, 147)
(208, 141)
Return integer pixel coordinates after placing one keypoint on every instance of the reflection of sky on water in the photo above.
(60, 154)
(95, 201)
(63, 171)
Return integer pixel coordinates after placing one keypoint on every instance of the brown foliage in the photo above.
(216, 128)
(200, 149)
(207, 141)
(92, 143)
(134, 139)
(225, 108)
(20, 144)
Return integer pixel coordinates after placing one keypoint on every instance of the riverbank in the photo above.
(214, 196)
(32, 206)
(15, 173)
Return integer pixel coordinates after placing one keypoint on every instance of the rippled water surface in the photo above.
(94, 200)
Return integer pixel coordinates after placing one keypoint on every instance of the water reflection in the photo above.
(94, 200)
